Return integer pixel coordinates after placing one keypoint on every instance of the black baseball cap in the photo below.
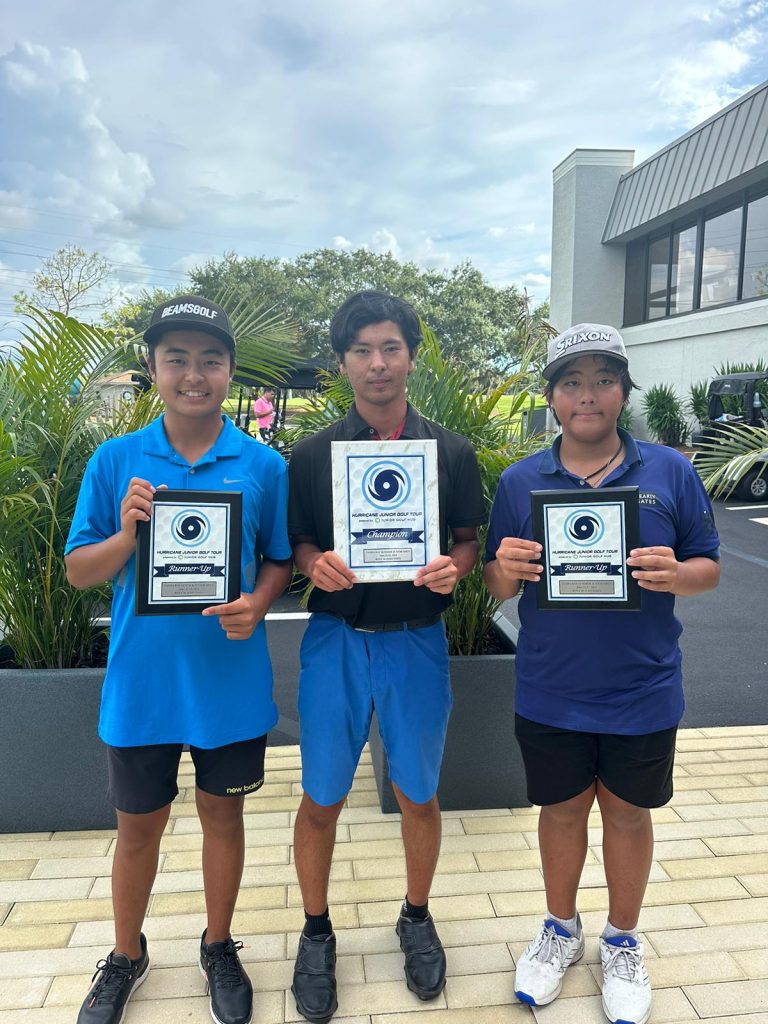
(190, 312)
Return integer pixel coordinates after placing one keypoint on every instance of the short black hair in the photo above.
(373, 307)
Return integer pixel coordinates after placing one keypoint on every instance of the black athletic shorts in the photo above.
(143, 779)
(560, 764)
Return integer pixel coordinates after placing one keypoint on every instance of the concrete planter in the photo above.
(53, 766)
(482, 767)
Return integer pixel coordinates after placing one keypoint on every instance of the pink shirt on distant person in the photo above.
(263, 411)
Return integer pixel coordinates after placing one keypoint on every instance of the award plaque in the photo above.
(586, 536)
(188, 554)
(385, 507)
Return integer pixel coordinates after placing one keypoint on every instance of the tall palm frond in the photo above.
(52, 419)
(725, 460)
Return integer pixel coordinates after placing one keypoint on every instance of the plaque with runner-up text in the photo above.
(586, 537)
(385, 507)
(188, 554)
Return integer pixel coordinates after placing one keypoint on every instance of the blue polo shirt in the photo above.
(176, 678)
(606, 671)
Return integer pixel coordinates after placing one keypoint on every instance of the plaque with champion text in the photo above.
(385, 507)
(188, 554)
(586, 537)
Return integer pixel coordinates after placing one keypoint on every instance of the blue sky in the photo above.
(164, 134)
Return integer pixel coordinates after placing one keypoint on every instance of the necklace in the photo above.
(605, 465)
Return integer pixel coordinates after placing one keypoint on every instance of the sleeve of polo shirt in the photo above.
(467, 498)
(502, 522)
(696, 530)
(94, 519)
(273, 519)
(301, 519)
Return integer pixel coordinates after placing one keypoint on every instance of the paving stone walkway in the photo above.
(705, 920)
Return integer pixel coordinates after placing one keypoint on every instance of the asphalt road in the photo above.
(724, 641)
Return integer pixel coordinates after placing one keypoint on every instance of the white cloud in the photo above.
(544, 259)
(385, 241)
(516, 229)
(425, 130)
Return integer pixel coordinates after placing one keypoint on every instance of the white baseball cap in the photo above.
(584, 340)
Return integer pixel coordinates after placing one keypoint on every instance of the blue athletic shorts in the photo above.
(346, 674)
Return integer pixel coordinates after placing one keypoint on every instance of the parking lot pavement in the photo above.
(705, 920)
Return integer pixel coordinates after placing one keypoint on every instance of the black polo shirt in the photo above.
(310, 515)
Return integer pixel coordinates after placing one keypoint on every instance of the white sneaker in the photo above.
(541, 968)
(626, 989)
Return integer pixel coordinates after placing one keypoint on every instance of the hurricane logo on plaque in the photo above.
(586, 536)
(191, 528)
(386, 485)
(584, 529)
(188, 554)
(386, 522)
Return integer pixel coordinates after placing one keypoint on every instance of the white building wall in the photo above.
(587, 276)
(682, 350)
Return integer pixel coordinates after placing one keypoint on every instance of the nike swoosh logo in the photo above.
(234, 480)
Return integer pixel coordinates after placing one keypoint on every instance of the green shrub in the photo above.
(697, 401)
(664, 415)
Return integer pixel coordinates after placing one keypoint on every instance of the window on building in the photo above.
(756, 250)
(720, 260)
(658, 273)
(683, 270)
(634, 291)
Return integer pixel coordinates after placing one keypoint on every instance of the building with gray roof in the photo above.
(673, 251)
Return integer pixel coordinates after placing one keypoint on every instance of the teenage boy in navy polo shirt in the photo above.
(599, 693)
(180, 679)
(374, 645)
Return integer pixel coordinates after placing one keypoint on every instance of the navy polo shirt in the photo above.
(176, 678)
(606, 671)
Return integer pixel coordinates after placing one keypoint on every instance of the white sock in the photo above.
(571, 924)
(610, 931)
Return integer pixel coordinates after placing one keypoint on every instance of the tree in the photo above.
(477, 323)
(489, 330)
(64, 280)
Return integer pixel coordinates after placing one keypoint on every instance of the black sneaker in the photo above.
(118, 979)
(228, 985)
(314, 978)
(424, 955)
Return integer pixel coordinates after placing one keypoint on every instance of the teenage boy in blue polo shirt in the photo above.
(181, 679)
(599, 693)
(374, 645)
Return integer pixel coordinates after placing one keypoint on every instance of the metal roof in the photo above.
(727, 146)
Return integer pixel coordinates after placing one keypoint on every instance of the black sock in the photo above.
(317, 924)
(412, 910)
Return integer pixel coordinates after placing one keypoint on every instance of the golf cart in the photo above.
(302, 377)
(746, 407)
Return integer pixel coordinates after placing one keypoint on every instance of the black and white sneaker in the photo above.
(116, 979)
(228, 985)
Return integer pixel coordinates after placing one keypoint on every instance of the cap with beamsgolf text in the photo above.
(190, 312)
(584, 340)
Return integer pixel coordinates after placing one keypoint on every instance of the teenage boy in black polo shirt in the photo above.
(374, 645)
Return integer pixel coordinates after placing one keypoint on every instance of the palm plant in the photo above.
(51, 422)
(440, 391)
(697, 401)
(735, 459)
(664, 415)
